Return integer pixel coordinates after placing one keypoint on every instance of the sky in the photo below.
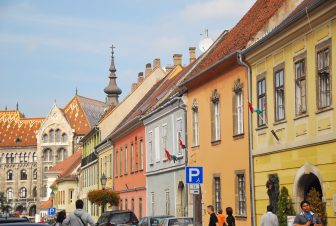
(50, 48)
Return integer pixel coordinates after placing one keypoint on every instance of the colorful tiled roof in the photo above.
(46, 204)
(16, 130)
(83, 113)
(239, 36)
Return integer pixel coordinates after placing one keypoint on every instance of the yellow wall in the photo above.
(64, 187)
(231, 154)
(306, 143)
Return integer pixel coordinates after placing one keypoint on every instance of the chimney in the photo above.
(192, 54)
(156, 63)
(134, 86)
(169, 68)
(148, 69)
(140, 77)
(177, 58)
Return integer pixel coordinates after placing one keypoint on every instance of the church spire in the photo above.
(112, 90)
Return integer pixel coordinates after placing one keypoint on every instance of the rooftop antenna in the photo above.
(6, 108)
(76, 92)
(206, 42)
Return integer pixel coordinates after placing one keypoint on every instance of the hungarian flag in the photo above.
(170, 157)
(252, 109)
(181, 142)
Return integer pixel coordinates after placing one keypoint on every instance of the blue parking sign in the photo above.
(194, 175)
(51, 211)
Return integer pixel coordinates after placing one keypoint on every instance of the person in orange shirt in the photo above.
(221, 218)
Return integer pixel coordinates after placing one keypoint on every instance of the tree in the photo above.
(103, 197)
(285, 207)
(317, 205)
(4, 203)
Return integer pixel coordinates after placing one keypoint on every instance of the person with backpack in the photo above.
(79, 217)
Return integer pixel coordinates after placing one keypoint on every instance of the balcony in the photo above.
(88, 159)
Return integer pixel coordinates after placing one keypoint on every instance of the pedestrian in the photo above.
(60, 218)
(213, 218)
(269, 218)
(79, 217)
(221, 218)
(230, 220)
(307, 217)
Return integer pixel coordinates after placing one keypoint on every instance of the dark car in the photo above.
(152, 221)
(25, 224)
(7, 220)
(116, 218)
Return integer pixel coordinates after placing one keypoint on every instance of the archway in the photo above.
(20, 208)
(181, 199)
(32, 210)
(306, 183)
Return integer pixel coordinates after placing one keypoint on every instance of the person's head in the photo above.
(305, 206)
(61, 216)
(269, 208)
(210, 209)
(220, 211)
(229, 211)
(79, 204)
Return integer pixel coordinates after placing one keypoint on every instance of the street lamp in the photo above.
(103, 181)
(52, 196)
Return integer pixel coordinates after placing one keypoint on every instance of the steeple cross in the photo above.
(112, 47)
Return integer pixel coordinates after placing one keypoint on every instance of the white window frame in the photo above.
(240, 113)
(157, 144)
(217, 120)
(150, 147)
(195, 115)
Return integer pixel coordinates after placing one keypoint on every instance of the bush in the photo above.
(103, 197)
(317, 205)
(285, 207)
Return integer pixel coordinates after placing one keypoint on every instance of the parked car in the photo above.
(7, 220)
(178, 221)
(152, 221)
(26, 224)
(117, 218)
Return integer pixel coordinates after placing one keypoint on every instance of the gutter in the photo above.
(251, 164)
(286, 24)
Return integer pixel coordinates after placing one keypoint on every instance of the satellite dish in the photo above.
(205, 44)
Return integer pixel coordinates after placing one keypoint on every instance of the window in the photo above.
(23, 175)
(140, 208)
(241, 195)
(279, 93)
(9, 193)
(47, 155)
(300, 88)
(71, 195)
(132, 205)
(132, 157)
(64, 138)
(21, 157)
(26, 157)
(35, 174)
(164, 137)
(62, 154)
(111, 166)
(167, 203)
(126, 160)
(121, 204)
(45, 138)
(116, 164)
(238, 109)
(324, 78)
(153, 204)
(150, 147)
(121, 159)
(58, 135)
(9, 175)
(45, 191)
(23, 192)
(215, 116)
(34, 157)
(157, 144)
(179, 128)
(34, 192)
(8, 158)
(195, 123)
(261, 87)
(217, 185)
(12, 158)
(141, 155)
(51, 136)
(126, 204)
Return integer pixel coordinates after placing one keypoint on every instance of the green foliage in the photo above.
(285, 207)
(4, 203)
(103, 197)
(317, 205)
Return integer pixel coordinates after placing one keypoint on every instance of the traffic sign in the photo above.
(194, 189)
(51, 211)
(194, 175)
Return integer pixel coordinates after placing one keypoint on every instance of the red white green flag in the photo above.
(170, 157)
(253, 109)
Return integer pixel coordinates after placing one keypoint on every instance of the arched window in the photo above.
(9, 193)
(34, 157)
(8, 158)
(62, 154)
(64, 138)
(47, 155)
(9, 175)
(21, 157)
(51, 136)
(35, 174)
(45, 138)
(23, 192)
(34, 192)
(58, 135)
(23, 175)
(25, 158)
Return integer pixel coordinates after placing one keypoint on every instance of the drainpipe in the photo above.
(253, 211)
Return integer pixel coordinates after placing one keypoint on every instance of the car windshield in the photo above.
(180, 222)
(154, 221)
(121, 218)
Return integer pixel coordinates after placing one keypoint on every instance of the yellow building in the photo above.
(292, 83)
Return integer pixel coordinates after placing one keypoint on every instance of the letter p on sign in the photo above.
(194, 175)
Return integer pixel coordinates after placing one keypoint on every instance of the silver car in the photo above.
(178, 221)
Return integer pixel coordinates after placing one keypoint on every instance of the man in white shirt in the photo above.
(269, 218)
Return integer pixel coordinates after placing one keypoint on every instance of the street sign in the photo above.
(51, 211)
(194, 189)
(194, 175)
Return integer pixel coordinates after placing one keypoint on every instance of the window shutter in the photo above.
(194, 129)
(234, 114)
(212, 113)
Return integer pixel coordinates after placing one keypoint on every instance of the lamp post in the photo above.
(103, 181)
(52, 196)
